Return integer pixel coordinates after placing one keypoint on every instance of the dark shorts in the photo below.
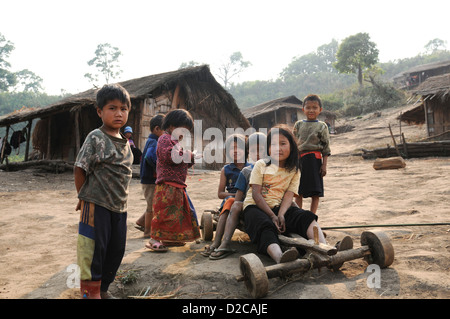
(311, 183)
(263, 232)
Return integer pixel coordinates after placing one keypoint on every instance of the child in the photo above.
(269, 210)
(174, 219)
(128, 132)
(256, 149)
(314, 148)
(148, 173)
(236, 152)
(102, 174)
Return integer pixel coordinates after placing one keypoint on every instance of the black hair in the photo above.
(111, 92)
(258, 138)
(178, 118)
(312, 97)
(240, 140)
(292, 162)
(156, 121)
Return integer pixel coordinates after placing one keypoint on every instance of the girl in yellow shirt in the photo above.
(270, 210)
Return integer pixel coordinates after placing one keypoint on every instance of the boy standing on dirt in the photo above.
(314, 148)
(148, 173)
(102, 173)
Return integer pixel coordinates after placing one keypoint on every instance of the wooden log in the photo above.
(303, 265)
(50, 165)
(418, 149)
(305, 244)
(389, 163)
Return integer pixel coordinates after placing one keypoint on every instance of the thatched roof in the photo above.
(270, 106)
(204, 95)
(424, 67)
(433, 87)
(436, 85)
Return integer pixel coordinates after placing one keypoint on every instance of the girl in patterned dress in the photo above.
(174, 219)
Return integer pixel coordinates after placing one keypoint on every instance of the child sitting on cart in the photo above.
(256, 145)
(236, 153)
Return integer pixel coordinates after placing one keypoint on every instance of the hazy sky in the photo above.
(55, 39)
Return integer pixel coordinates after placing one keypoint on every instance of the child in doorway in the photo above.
(236, 150)
(128, 132)
(174, 219)
(314, 148)
(102, 174)
(148, 173)
(269, 210)
(256, 149)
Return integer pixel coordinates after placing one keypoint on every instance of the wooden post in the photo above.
(405, 148)
(316, 235)
(5, 140)
(393, 139)
(49, 137)
(77, 132)
(176, 97)
(27, 148)
(426, 117)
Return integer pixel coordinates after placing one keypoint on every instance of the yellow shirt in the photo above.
(275, 181)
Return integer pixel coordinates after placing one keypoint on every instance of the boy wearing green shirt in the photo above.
(314, 148)
(102, 174)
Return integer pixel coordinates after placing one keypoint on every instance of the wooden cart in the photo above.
(376, 248)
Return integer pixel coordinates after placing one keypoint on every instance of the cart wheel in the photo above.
(255, 275)
(382, 251)
(206, 226)
(346, 244)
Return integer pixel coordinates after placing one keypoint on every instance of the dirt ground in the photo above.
(38, 232)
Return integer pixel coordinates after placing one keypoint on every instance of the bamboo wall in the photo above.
(437, 115)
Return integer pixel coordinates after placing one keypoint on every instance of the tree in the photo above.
(234, 66)
(355, 54)
(327, 55)
(28, 81)
(319, 61)
(106, 62)
(434, 45)
(7, 78)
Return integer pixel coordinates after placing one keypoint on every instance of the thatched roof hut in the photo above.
(284, 110)
(413, 77)
(65, 124)
(434, 107)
